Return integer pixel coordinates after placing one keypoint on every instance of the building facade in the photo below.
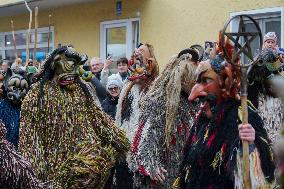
(113, 28)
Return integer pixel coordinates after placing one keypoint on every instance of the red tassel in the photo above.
(137, 138)
(143, 171)
(193, 139)
(211, 139)
(224, 148)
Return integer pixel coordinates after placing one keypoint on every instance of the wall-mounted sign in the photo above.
(118, 8)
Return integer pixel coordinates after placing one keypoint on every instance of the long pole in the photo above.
(246, 168)
(35, 42)
(14, 40)
(29, 34)
(48, 36)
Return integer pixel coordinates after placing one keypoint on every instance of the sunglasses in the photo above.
(113, 88)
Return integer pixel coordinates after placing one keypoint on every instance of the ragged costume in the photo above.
(15, 171)
(263, 87)
(67, 138)
(16, 85)
(144, 70)
(213, 151)
(164, 124)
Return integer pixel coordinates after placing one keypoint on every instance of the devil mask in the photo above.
(16, 85)
(62, 66)
(143, 63)
(214, 84)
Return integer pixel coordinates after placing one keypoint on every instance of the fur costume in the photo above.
(128, 118)
(16, 85)
(65, 135)
(213, 151)
(144, 69)
(271, 110)
(165, 120)
(261, 91)
(15, 171)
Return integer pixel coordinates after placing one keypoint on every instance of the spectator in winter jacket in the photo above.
(122, 68)
(113, 87)
(97, 65)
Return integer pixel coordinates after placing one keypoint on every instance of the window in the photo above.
(269, 19)
(119, 39)
(7, 44)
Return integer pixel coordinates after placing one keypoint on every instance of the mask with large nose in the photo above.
(66, 66)
(142, 64)
(214, 82)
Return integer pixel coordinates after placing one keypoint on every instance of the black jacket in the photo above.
(109, 105)
(100, 90)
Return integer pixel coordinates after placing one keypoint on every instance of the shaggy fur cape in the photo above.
(210, 156)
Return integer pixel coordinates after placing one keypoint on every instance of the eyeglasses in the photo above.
(113, 89)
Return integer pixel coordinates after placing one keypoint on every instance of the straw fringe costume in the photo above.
(150, 152)
(144, 70)
(212, 157)
(128, 118)
(271, 111)
(213, 151)
(270, 108)
(15, 171)
(66, 136)
(164, 124)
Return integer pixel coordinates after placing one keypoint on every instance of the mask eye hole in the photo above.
(12, 88)
(71, 63)
(206, 80)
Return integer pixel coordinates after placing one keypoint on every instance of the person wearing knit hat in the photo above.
(113, 87)
(260, 93)
(270, 40)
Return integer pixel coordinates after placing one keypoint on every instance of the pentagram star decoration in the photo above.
(248, 37)
(242, 49)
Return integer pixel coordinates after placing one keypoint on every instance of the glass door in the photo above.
(118, 39)
(115, 43)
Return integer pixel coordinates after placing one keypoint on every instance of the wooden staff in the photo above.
(48, 36)
(14, 41)
(244, 103)
(35, 43)
(29, 34)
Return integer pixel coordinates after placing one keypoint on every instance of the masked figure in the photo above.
(16, 86)
(67, 138)
(212, 154)
(165, 121)
(144, 69)
(15, 171)
(267, 86)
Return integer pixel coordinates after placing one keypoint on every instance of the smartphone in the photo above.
(209, 44)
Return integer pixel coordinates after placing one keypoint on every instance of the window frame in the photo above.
(3, 48)
(265, 13)
(129, 36)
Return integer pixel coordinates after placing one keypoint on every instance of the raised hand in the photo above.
(159, 175)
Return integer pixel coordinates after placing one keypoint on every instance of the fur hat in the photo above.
(114, 80)
(271, 36)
